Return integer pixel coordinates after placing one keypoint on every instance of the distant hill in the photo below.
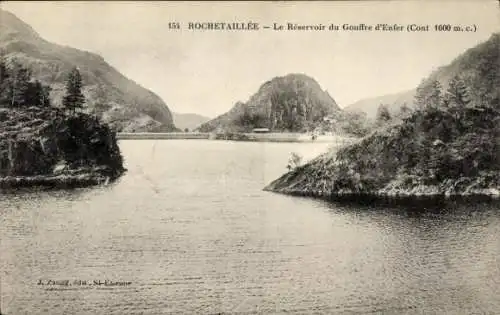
(295, 102)
(478, 68)
(369, 106)
(189, 121)
(472, 66)
(129, 106)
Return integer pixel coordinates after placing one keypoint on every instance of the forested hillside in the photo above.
(121, 102)
(449, 145)
(293, 103)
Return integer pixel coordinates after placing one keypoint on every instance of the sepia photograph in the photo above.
(249, 157)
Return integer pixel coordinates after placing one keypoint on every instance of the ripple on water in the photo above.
(206, 240)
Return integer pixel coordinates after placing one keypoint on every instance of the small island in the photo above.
(44, 145)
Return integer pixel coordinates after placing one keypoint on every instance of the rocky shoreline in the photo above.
(55, 181)
(411, 160)
(446, 145)
(47, 147)
(391, 191)
(78, 179)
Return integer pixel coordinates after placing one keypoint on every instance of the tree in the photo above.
(4, 71)
(353, 123)
(383, 114)
(37, 94)
(294, 161)
(457, 93)
(186, 129)
(245, 120)
(19, 84)
(5, 76)
(17, 87)
(101, 103)
(435, 94)
(404, 110)
(250, 119)
(429, 94)
(46, 95)
(74, 99)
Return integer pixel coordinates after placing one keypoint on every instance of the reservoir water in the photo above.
(188, 230)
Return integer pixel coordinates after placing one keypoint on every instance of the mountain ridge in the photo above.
(462, 65)
(188, 121)
(130, 106)
(394, 101)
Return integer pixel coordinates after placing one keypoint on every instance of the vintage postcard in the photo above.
(272, 157)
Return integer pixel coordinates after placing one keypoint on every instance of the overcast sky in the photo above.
(207, 72)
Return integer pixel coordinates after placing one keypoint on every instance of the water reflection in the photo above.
(439, 256)
(191, 228)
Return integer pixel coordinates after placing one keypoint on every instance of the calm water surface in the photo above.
(191, 230)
